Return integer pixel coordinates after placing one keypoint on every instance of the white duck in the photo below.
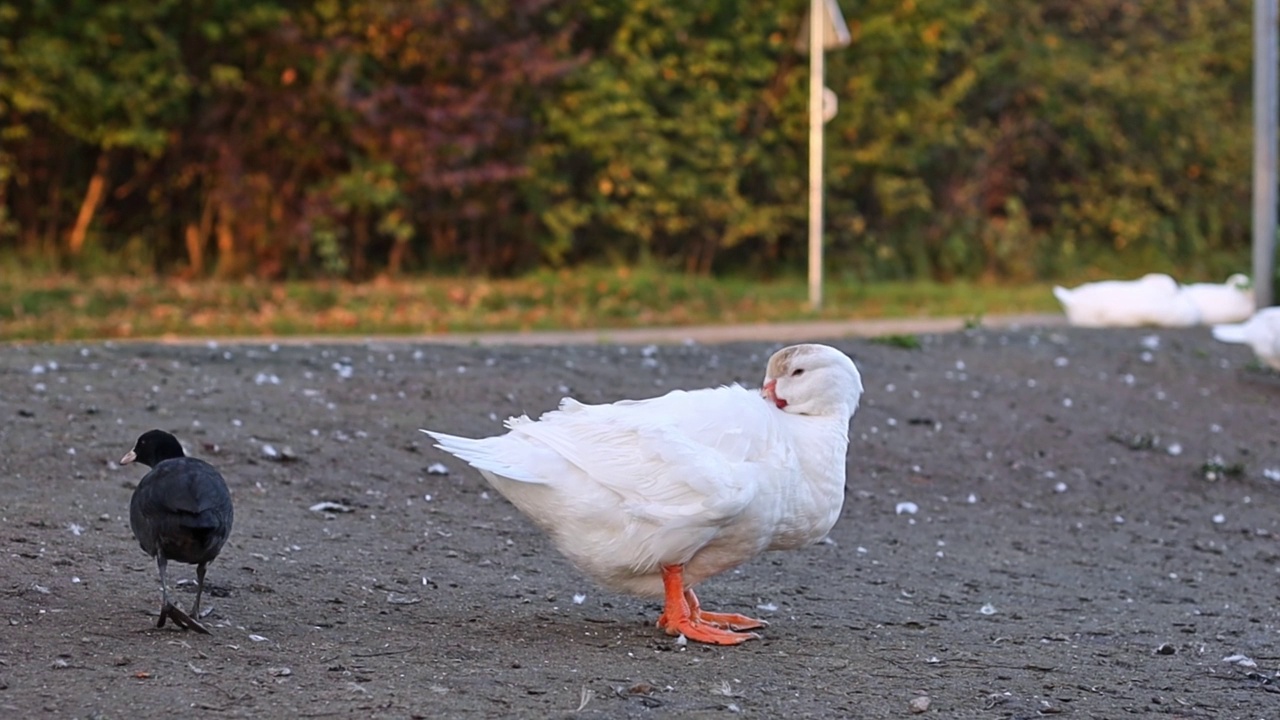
(1150, 300)
(1260, 332)
(651, 497)
(1229, 302)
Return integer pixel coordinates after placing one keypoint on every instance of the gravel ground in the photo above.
(1039, 521)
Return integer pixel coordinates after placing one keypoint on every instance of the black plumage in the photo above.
(181, 511)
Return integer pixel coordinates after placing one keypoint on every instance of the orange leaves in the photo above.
(931, 33)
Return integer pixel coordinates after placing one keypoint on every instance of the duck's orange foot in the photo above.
(725, 621)
(705, 632)
(730, 621)
(683, 615)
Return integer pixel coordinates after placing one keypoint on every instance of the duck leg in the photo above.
(167, 608)
(683, 615)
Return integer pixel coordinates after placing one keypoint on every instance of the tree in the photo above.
(671, 142)
(105, 75)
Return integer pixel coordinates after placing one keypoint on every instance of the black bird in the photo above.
(181, 511)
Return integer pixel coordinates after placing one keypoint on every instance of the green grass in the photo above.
(906, 342)
(68, 308)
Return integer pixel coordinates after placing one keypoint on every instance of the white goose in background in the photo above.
(1228, 302)
(651, 497)
(1260, 332)
(1150, 300)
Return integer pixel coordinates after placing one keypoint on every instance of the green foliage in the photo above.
(905, 342)
(1031, 139)
(667, 140)
(986, 140)
(108, 74)
(1148, 114)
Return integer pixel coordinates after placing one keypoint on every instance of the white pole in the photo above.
(1266, 98)
(817, 36)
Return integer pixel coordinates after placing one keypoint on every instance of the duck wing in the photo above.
(685, 457)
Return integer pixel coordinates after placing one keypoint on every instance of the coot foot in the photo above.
(180, 618)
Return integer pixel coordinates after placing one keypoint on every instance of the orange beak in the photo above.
(770, 391)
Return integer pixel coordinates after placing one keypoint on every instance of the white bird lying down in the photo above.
(651, 497)
(1228, 302)
(1260, 332)
(1150, 300)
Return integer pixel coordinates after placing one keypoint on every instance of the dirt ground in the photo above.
(1095, 534)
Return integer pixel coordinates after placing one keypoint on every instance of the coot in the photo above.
(180, 511)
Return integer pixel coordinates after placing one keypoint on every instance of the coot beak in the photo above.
(128, 458)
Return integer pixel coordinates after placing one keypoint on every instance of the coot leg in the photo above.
(165, 605)
(168, 609)
(195, 609)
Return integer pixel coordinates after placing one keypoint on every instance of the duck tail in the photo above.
(463, 448)
(484, 454)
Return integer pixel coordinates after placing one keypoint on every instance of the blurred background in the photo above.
(426, 165)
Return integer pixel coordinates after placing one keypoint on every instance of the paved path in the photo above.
(711, 334)
(705, 334)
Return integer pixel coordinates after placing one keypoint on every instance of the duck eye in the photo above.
(797, 372)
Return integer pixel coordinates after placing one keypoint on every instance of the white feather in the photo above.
(1233, 333)
(1261, 333)
(1228, 302)
(705, 478)
(1153, 299)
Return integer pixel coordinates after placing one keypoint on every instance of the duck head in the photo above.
(812, 380)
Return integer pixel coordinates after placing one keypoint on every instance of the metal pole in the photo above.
(817, 33)
(1266, 117)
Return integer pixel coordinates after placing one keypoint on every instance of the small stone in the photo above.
(920, 704)
(1166, 649)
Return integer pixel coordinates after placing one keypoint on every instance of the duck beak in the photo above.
(129, 457)
(770, 392)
